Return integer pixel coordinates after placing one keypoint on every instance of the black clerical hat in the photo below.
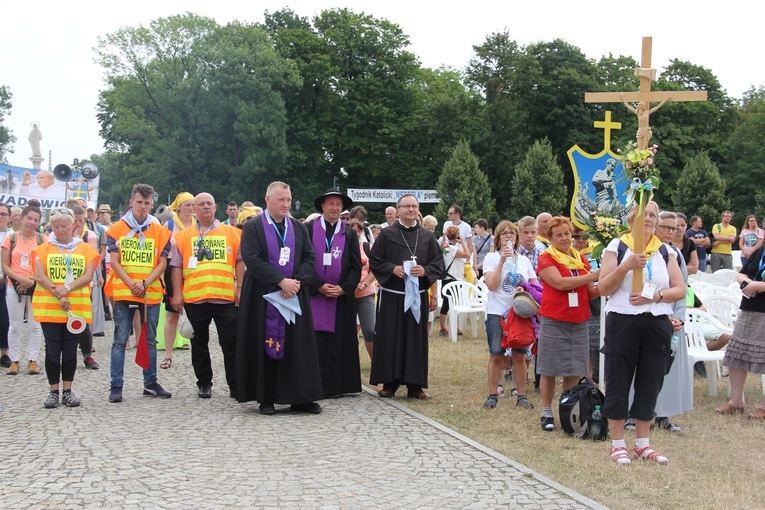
(333, 192)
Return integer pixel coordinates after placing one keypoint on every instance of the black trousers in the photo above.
(225, 317)
(60, 352)
(635, 346)
(5, 323)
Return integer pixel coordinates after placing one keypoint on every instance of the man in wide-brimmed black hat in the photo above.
(337, 272)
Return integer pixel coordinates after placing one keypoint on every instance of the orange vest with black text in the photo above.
(210, 279)
(45, 306)
(138, 262)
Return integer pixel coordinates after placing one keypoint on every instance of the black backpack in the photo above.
(576, 407)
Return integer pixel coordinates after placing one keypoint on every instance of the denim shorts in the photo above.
(494, 337)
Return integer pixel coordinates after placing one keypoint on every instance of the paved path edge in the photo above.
(488, 451)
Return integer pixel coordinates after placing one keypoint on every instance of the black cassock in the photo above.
(401, 343)
(296, 378)
(339, 351)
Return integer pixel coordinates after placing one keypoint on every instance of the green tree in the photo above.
(538, 184)
(196, 106)
(6, 136)
(745, 169)
(701, 190)
(463, 183)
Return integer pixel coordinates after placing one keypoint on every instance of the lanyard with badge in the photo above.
(649, 289)
(327, 260)
(284, 252)
(573, 296)
(68, 259)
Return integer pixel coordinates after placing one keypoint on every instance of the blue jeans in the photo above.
(123, 321)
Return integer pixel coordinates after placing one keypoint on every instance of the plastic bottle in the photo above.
(595, 423)
(675, 345)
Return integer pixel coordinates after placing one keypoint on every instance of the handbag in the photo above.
(29, 291)
(185, 328)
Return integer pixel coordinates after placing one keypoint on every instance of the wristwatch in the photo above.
(661, 296)
(68, 289)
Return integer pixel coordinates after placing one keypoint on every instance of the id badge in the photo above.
(573, 300)
(649, 289)
(327, 259)
(25, 261)
(192, 262)
(69, 278)
(284, 256)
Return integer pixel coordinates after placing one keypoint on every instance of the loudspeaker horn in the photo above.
(163, 213)
(89, 170)
(62, 172)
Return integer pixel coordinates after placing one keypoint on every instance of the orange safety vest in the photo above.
(138, 263)
(45, 306)
(210, 279)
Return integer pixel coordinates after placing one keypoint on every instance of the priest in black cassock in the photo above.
(336, 274)
(406, 260)
(277, 362)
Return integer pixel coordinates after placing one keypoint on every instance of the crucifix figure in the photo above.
(643, 98)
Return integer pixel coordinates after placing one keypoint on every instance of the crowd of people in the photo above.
(311, 287)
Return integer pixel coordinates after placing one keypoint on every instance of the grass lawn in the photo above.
(715, 462)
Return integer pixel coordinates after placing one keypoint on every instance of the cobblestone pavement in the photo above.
(185, 452)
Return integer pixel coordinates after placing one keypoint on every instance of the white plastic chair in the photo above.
(697, 345)
(723, 308)
(716, 290)
(461, 303)
(699, 287)
(730, 274)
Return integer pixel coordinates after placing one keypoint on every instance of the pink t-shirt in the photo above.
(22, 252)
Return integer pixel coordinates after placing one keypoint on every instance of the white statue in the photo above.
(34, 140)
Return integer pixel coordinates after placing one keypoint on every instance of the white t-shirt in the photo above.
(465, 231)
(501, 298)
(457, 267)
(619, 301)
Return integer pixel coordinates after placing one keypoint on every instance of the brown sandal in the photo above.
(758, 414)
(166, 363)
(729, 408)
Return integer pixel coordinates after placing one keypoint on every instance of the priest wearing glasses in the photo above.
(406, 260)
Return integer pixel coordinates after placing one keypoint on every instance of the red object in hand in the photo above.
(142, 349)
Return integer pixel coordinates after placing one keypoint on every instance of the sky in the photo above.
(47, 57)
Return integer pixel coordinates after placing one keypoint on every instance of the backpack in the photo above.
(576, 407)
(517, 332)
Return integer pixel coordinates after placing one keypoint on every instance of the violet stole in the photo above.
(276, 325)
(324, 309)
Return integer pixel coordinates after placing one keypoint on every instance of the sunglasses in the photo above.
(65, 212)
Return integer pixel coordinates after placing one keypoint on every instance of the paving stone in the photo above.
(191, 453)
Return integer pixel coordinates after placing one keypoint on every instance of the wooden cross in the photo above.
(644, 98)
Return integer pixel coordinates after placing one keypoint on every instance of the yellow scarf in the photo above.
(543, 240)
(182, 197)
(570, 260)
(653, 245)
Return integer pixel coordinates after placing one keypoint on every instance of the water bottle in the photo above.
(595, 423)
(675, 345)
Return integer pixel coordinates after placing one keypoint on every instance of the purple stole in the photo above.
(324, 308)
(276, 325)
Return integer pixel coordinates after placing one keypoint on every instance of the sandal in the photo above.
(647, 453)
(758, 414)
(491, 402)
(620, 456)
(166, 363)
(729, 408)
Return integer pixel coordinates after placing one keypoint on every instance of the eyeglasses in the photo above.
(4, 215)
(581, 236)
(409, 206)
(507, 233)
(667, 228)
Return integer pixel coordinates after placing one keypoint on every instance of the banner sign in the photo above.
(426, 196)
(599, 186)
(18, 185)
